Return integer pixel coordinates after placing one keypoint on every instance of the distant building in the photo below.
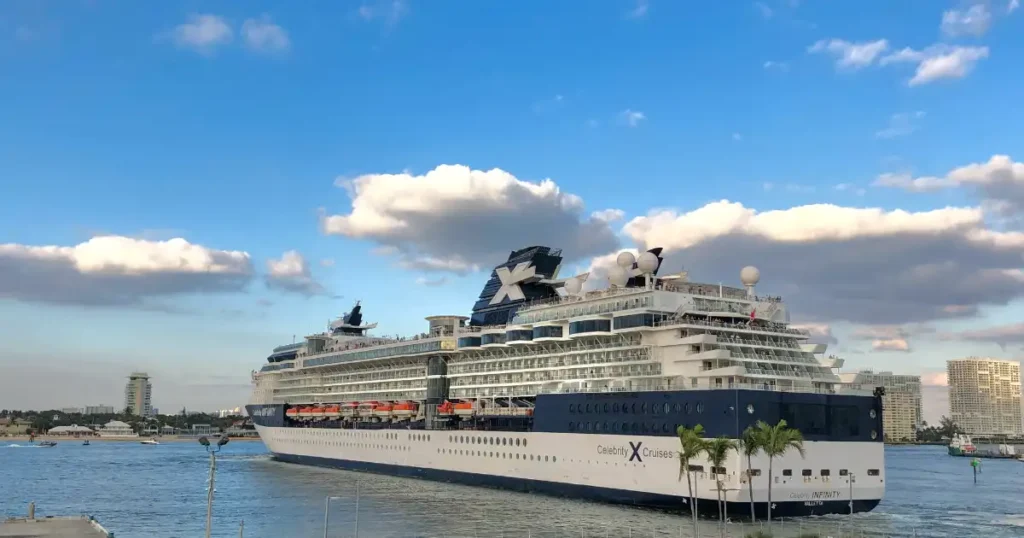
(984, 396)
(156, 411)
(71, 410)
(901, 404)
(116, 428)
(73, 430)
(224, 413)
(138, 394)
(99, 410)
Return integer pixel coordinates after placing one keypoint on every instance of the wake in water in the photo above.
(12, 445)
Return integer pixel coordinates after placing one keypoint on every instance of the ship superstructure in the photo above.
(557, 385)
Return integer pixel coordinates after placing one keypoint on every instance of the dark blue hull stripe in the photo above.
(706, 507)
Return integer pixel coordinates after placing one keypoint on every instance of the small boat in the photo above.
(85, 443)
(47, 444)
(149, 442)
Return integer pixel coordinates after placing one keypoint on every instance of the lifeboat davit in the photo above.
(349, 408)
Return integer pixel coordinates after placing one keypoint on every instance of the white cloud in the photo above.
(390, 11)
(901, 124)
(999, 182)
(639, 10)
(432, 282)
(851, 55)
(327, 262)
(864, 265)
(821, 333)
(457, 219)
(974, 21)
(737, 137)
(885, 338)
(203, 33)
(776, 66)
(938, 62)
(264, 36)
(764, 10)
(291, 273)
(935, 379)
(1012, 6)
(1002, 335)
(608, 215)
(849, 187)
(118, 271)
(632, 117)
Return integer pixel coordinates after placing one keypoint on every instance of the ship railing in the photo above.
(499, 393)
(762, 327)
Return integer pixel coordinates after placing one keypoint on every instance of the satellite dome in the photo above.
(750, 275)
(648, 263)
(625, 259)
(618, 276)
(573, 286)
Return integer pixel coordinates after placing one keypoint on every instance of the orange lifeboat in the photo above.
(465, 409)
(332, 411)
(317, 411)
(305, 411)
(405, 409)
(383, 410)
(292, 413)
(446, 408)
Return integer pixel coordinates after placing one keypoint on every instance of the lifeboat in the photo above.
(348, 409)
(332, 411)
(446, 408)
(305, 411)
(383, 410)
(405, 409)
(366, 409)
(465, 409)
(316, 412)
(292, 413)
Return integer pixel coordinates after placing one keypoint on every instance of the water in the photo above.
(160, 491)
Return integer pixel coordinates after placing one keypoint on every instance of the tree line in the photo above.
(42, 421)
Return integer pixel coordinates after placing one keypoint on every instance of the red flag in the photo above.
(752, 312)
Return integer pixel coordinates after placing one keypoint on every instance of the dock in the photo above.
(55, 527)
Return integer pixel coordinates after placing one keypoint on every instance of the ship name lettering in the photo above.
(815, 495)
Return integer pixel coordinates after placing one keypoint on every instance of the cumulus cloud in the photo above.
(263, 35)
(202, 33)
(608, 215)
(999, 182)
(851, 55)
(291, 273)
(432, 282)
(863, 265)
(1012, 6)
(118, 271)
(776, 66)
(821, 333)
(938, 62)
(974, 21)
(457, 219)
(885, 338)
(389, 11)
(632, 118)
(639, 10)
(935, 379)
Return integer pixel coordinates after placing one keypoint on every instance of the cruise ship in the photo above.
(575, 388)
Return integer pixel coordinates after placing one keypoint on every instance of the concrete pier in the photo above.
(55, 527)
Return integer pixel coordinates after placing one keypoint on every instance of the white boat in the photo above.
(549, 388)
(149, 442)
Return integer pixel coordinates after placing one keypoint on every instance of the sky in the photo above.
(185, 185)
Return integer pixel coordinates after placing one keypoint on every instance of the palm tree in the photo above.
(718, 450)
(776, 441)
(751, 444)
(691, 446)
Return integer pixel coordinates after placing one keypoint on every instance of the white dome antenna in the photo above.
(626, 259)
(648, 264)
(750, 276)
(618, 276)
(574, 286)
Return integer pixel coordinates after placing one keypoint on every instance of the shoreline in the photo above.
(65, 438)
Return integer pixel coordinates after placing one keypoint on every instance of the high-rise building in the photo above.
(984, 396)
(138, 395)
(99, 410)
(901, 404)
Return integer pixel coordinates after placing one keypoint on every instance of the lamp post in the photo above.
(327, 511)
(212, 450)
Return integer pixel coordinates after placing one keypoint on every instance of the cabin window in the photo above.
(825, 472)
(695, 468)
(807, 472)
(718, 470)
(872, 472)
(787, 472)
(843, 472)
(754, 472)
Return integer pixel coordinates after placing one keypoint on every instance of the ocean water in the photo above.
(160, 491)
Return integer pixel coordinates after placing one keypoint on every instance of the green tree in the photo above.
(750, 444)
(718, 450)
(691, 446)
(777, 440)
(948, 428)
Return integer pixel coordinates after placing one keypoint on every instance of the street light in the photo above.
(212, 450)
(327, 510)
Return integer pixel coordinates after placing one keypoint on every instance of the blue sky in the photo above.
(229, 125)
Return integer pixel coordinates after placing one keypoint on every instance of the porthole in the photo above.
(572, 408)
(615, 407)
(668, 408)
(524, 442)
(643, 408)
(678, 407)
(504, 441)
(517, 442)
(632, 408)
(686, 408)
(874, 434)
(700, 407)
(872, 413)
(750, 409)
(588, 408)
(554, 459)
(545, 458)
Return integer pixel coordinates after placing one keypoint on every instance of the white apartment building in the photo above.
(99, 410)
(901, 404)
(984, 396)
(138, 395)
